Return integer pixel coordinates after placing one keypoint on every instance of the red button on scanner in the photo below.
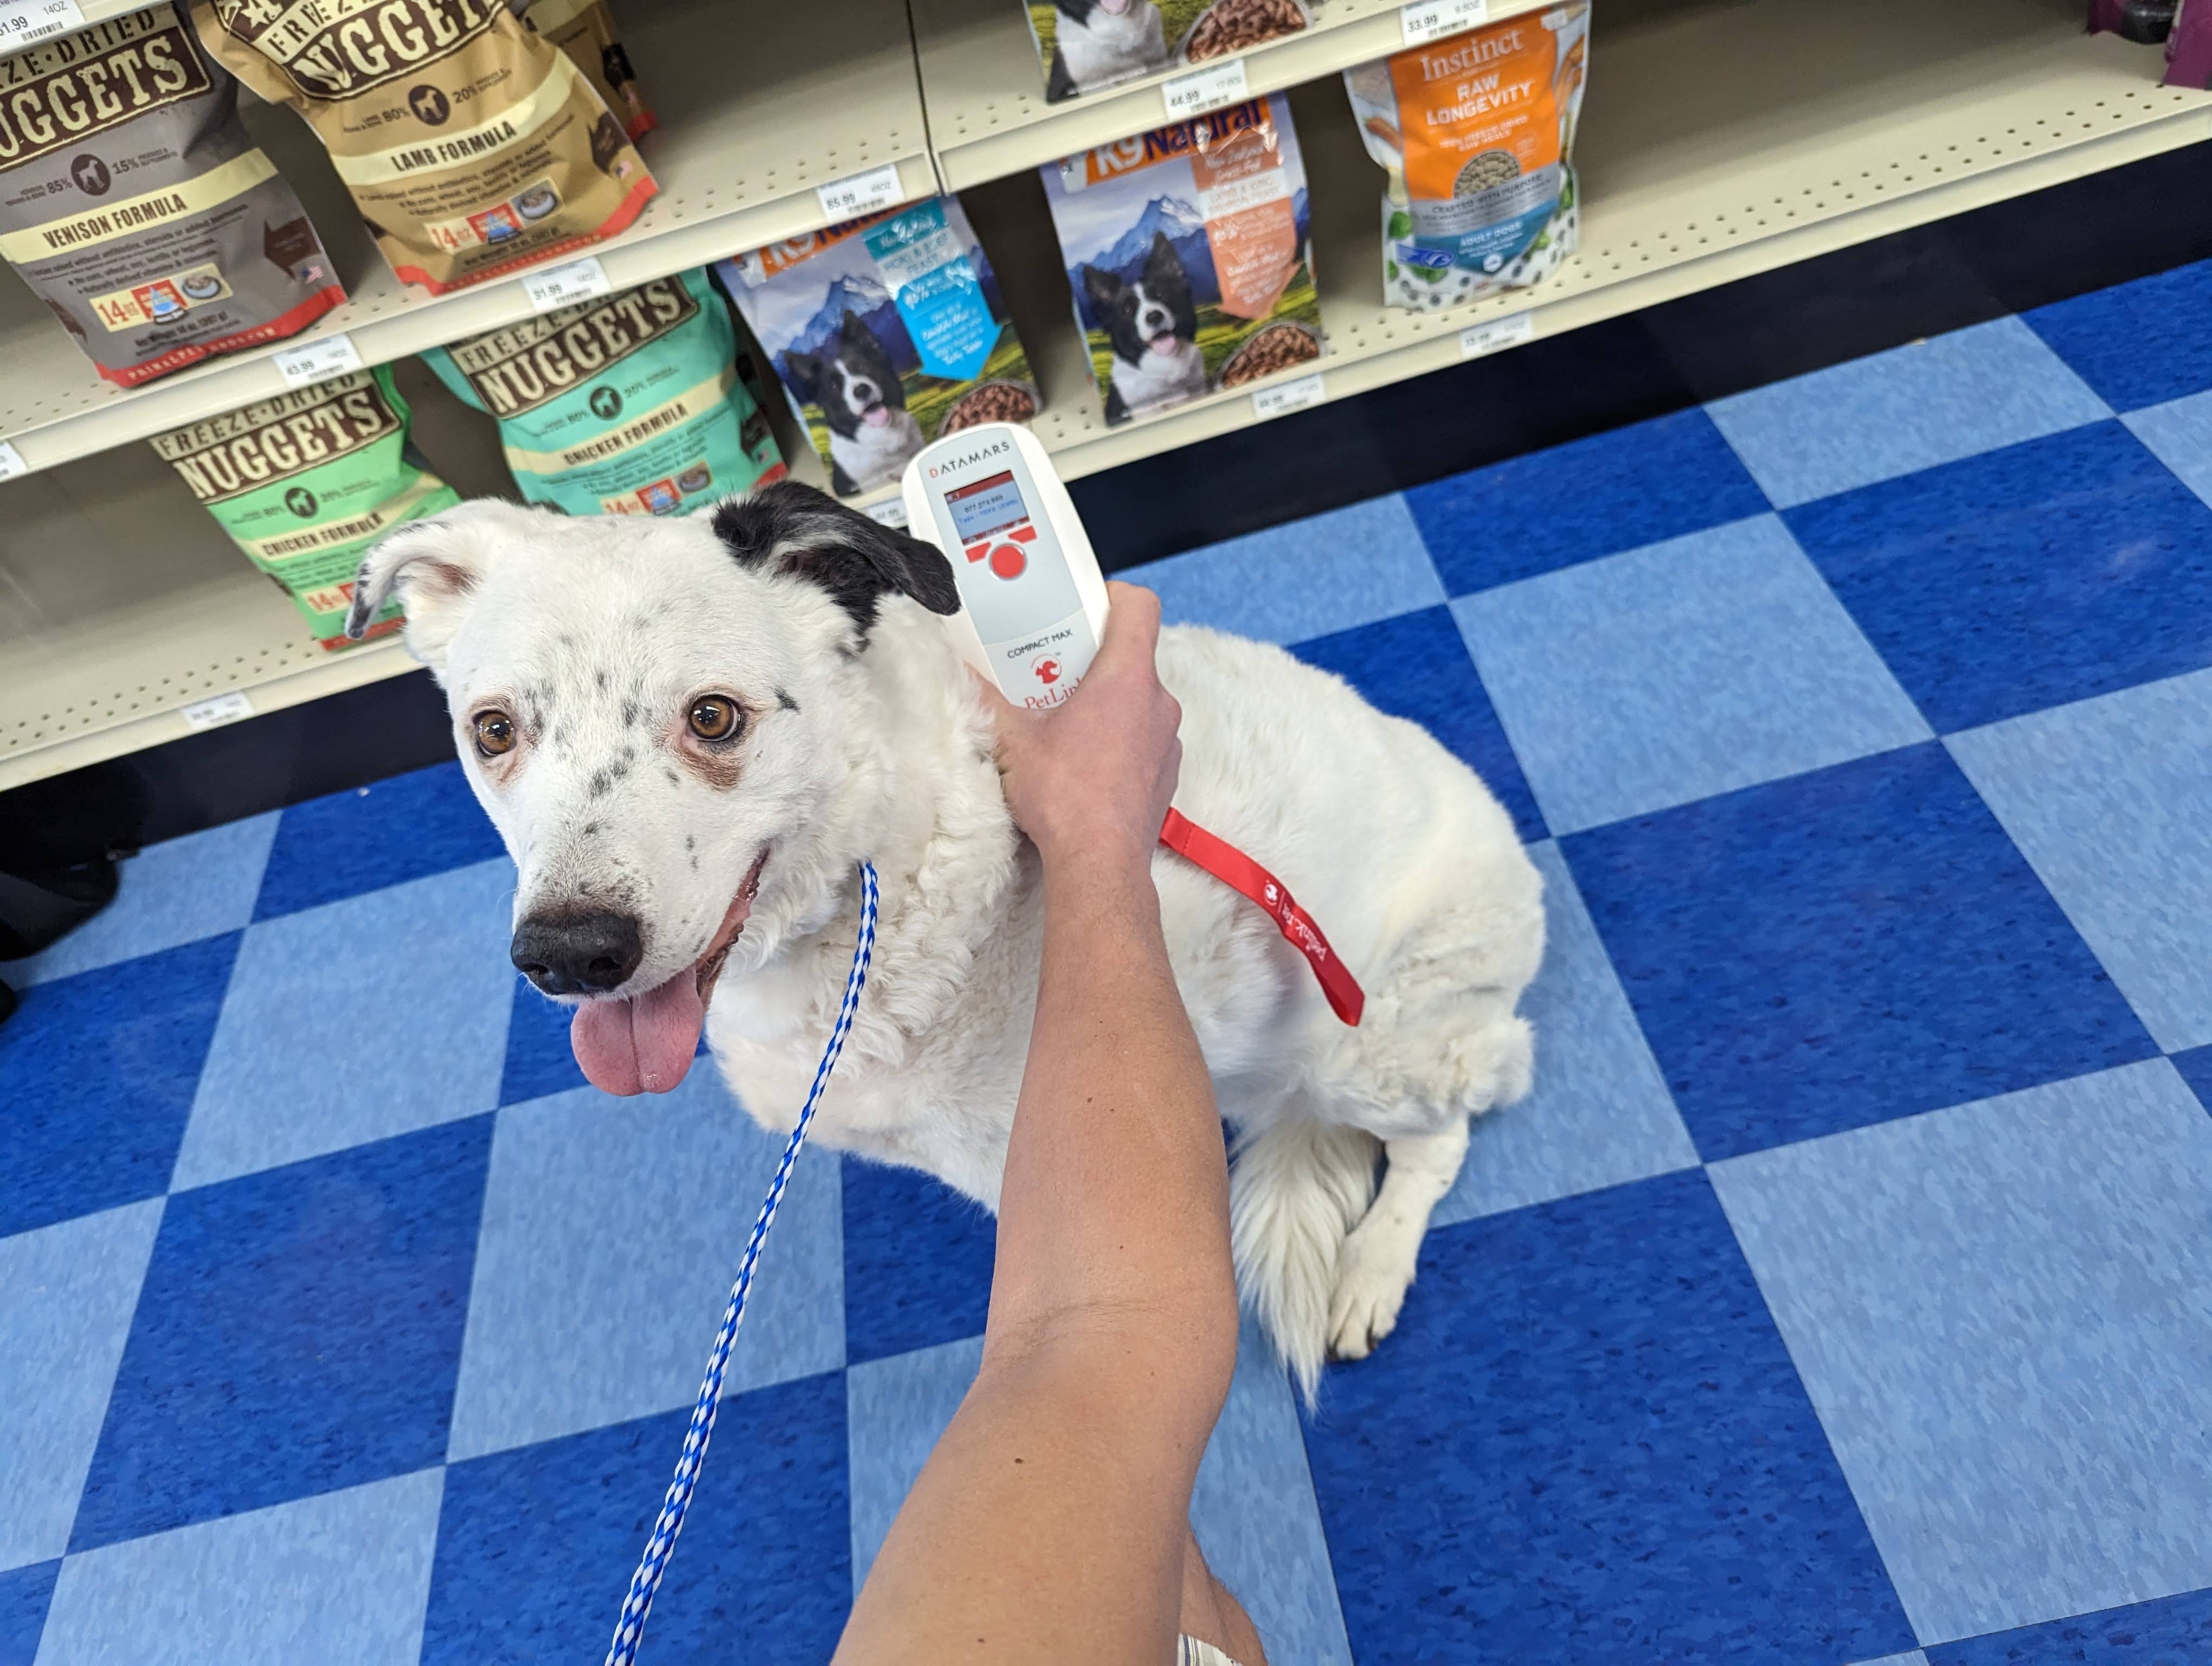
(1022, 534)
(1007, 561)
(977, 551)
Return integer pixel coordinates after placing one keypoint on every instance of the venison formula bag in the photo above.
(473, 146)
(133, 203)
(888, 333)
(627, 403)
(585, 30)
(305, 482)
(1189, 252)
(1477, 131)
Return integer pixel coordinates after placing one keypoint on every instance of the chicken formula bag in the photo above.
(1477, 131)
(473, 146)
(304, 482)
(627, 403)
(135, 205)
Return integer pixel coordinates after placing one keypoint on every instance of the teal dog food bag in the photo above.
(626, 403)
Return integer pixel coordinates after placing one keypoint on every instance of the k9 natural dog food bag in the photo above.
(305, 482)
(1477, 131)
(627, 403)
(1085, 45)
(887, 333)
(584, 29)
(473, 146)
(133, 203)
(1189, 251)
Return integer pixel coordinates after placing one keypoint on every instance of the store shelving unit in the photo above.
(1721, 138)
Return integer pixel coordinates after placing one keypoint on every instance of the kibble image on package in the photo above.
(134, 204)
(627, 403)
(307, 482)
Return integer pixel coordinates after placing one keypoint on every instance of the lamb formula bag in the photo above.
(1477, 131)
(307, 482)
(627, 403)
(133, 203)
(473, 146)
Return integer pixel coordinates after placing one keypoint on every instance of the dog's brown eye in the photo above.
(495, 733)
(713, 717)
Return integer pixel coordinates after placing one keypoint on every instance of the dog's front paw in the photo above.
(1372, 1277)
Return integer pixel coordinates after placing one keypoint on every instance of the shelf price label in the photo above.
(230, 707)
(859, 194)
(1495, 336)
(317, 361)
(22, 22)
(573, 280)
(1293, 395)
(1206, 89)
(1432, 19)
(11, 462)
(891, 511)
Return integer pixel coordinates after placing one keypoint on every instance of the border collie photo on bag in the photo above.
(1087, 44)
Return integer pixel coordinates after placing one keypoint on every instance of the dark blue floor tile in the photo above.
(100, 1070)
(24, 1594)
(2168, 1631)
(1843, 947)
(299, 1331)
(1550, 509)
(2196, 1068)
(1417, 666)
(535, 1546)
(2139, 343)
(2023, 578)
(539, 1060)
(917, 1261)
(1585, 1442)
(406, 828)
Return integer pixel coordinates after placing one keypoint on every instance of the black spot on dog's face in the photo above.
(783, 699)
(633, 713)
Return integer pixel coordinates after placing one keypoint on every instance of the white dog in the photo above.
(689, 731)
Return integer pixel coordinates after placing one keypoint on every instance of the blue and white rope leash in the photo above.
(631, 1628)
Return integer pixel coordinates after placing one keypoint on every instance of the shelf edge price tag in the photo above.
(22, 22)
(11, 462)
(230, 707)
(573, 280)
(1424, 20)
(1495, 336)
(859, 194)
(1293, 395)
(891, 511)
(1206, 89)
(317, 361)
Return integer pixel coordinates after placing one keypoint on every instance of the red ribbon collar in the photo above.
(1226, 863)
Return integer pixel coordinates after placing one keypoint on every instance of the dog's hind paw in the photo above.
(1372, 1277)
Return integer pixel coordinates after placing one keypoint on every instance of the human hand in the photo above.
(1089, 779)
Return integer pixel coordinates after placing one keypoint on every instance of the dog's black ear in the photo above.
(1101, 287)
(1161, 258)
(792, 528)
(855, 328)
(804, 371)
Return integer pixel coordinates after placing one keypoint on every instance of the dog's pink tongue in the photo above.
(876, 416)
(643, 1045)
(1162, 344)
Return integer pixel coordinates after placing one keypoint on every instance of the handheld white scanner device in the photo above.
(1032, 600)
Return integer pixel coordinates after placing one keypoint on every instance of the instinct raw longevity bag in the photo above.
(627, 403)
(1477, 131)
(585, 30)
(1188, 249)
(473, 146)
(888, 333)
(133, 203)
(305, 482)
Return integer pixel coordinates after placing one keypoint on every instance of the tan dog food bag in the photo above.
(473, 146)
(584, 29)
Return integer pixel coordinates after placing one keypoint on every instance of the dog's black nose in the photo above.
(586, 954)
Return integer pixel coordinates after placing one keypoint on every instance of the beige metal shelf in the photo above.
(738, 159)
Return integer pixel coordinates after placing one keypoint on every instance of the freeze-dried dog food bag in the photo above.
(305, 482)
(133, 203)
(887, 333)
(1086, 45)
(1189, 253)
(1477, 131)
(584, 29)
(627, 403)
(473, 146)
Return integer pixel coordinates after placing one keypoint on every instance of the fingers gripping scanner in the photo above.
(1032, 600)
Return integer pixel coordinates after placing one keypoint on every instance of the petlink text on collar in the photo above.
(631, 1628)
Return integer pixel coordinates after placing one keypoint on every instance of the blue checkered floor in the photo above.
(1843, 1292)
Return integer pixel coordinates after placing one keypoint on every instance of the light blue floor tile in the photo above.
(357, 1021)
(339, 1576)
(177, 892)
(1909, 1657)
(2179, 435)
(67, 1293)
(612, 1229)
(1875, 418)
(1599, 1113)
(2003, 1315)
(1256, 1517)
(1670, 673)
(2110, 801)
(896, 1408)
(1291, 583)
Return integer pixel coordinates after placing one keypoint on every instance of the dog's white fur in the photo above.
(597, 634)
